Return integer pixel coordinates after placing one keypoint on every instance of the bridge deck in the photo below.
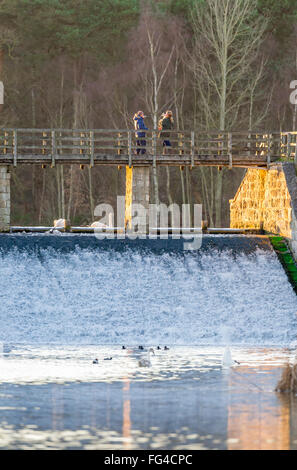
(124, 147)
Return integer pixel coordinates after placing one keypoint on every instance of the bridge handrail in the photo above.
(71, 144)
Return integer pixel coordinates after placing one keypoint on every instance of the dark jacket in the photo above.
(140, 125)
(167, 124)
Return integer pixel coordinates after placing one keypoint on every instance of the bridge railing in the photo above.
(81, 144)
(288, 145)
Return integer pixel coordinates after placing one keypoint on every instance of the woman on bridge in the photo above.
(139, 125)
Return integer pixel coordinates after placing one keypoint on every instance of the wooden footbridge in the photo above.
(50, 147)
(121, 147)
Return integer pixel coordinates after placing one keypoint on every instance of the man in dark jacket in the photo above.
(139, 125)
(167, 125)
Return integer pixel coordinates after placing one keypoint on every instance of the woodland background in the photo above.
(218, 64)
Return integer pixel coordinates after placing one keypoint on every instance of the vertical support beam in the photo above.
(269, 147)
(181, 143)
(4, 199)
(282, 145)
(257, 144)
(44, 135)
(119, 143)
(5, 142)
(137, 193)
(82, 135)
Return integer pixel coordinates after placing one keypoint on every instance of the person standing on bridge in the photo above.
(167, 125)
(140, 125)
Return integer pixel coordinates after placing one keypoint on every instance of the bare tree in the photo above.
(8, 41)
(227, 37)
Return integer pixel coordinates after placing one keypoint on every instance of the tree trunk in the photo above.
(182, 186)
(42, 196)
(170, 201)
(218, 198)
(91, 194)
(1, 71)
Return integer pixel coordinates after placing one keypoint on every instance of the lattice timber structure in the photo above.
(123, 147)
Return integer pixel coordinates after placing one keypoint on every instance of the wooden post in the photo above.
(220, 144)
(269, 150)
(180, 143)
(119, 143)
(272, 146)
(5, 142)
(282, 145)
(44, 134)
(256, 143)
(54, 148)
(15, 147)
(81, 143)
(288, 145)
(91, 149)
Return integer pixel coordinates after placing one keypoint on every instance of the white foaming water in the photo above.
(107, 297)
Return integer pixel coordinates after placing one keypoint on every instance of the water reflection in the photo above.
(258, 419)
(185, 401)
(126, 415)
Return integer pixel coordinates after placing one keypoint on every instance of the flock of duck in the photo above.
(227, 360)
(144, 362)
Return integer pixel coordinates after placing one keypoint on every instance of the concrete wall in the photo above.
(4, 199)
(268, 200)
